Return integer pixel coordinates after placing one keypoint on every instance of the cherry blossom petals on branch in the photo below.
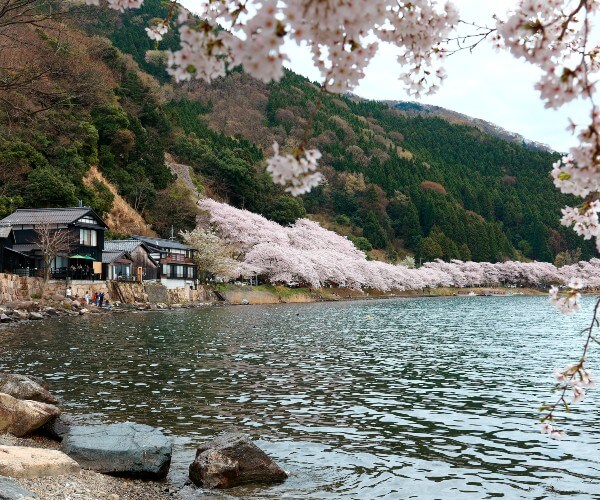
(575, 379)
(555, 36)
(297, 173)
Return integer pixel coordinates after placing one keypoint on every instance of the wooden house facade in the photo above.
(143, 265)
(85, 230)
(177, 266)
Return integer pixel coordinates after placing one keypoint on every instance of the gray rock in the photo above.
(50, 311)
(36, 315)
(124, 449)
(244, 302)
(20, 314)
(4, 318)
(232, 459)
(22, 304)
(21, 417)
(58, 427)
(11, 490)
(83, 311)
(26, 387)
(75, 304)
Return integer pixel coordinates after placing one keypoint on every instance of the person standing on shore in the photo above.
(68, 292)
(87, 297)
(100, 299)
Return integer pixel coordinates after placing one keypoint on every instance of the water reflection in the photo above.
(423, 398)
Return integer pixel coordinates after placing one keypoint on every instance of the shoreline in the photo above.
(24, 311)
(85, 484)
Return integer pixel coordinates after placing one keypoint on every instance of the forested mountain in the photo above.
(397, 184)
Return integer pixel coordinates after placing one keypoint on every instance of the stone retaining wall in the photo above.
(13, 287)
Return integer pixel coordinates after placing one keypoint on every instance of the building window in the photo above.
(87, 220)
(61, 262)
(179, 271)
(87, 237)
(165, 269)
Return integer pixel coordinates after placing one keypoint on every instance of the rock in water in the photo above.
(24, 387)
(28, 463)
(21, 417)
(124, 449)
(232, 459)
(11, 490)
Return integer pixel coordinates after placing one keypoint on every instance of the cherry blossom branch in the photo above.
(461, 40)
(575, 377)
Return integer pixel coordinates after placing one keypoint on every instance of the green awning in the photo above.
(82, 257)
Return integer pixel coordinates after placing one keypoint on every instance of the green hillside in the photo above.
(396, 183)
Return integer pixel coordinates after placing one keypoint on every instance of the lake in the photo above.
(402, 398)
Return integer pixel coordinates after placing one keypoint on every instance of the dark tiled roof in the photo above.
(48, 216)
(110, 256)
(5, 231)
(25, 247)
(127, 245)
(161, 243)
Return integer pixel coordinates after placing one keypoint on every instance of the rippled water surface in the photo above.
(407, 398)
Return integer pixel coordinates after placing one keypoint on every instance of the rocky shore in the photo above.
(47, 455)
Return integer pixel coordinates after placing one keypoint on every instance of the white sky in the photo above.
(486, 84)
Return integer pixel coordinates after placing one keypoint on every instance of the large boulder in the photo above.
(124, 449)
(26, 462)
(21, 417)
(25, 387)
(232, 459)
(11, 490)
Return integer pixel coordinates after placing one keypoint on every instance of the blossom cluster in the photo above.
(307, 254)
(296, 172)
(343, 38)
(575, 378)
(554, 433)
(567, 302)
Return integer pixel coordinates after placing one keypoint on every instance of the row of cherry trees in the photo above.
(307, 254)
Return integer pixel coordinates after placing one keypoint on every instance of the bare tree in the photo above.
(51, 242)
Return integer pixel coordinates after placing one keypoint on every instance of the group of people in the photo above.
(97, 298)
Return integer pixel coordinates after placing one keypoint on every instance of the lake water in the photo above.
(406, 398)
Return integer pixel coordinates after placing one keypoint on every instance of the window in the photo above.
(87, 237)
(179, 271)
(61, 262)
(87, 220)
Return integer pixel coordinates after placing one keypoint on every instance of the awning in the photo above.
(81, 257)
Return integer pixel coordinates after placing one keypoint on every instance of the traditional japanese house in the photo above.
(177, 267)
(12, 261)
(143, 265)
(84, 231)
(117, 265)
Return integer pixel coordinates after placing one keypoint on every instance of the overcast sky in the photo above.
(485, 84)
